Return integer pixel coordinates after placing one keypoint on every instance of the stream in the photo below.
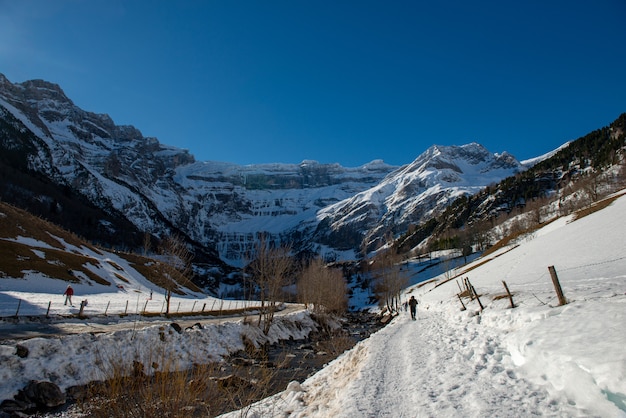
(246, 377)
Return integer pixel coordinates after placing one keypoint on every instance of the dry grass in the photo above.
(16, 259)
(129, 392)
(16, 222)
(50, 258)
(53, 259)
(205, 390)
(338, 344)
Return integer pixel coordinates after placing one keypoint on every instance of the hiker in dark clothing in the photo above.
(413, 306)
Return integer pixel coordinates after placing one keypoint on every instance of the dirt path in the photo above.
(42, 327)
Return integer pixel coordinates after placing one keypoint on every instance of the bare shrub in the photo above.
(130, 389)
(389, 279)
(323, 288)
(270, 270)
(175, 264)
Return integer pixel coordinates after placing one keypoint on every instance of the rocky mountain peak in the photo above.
(40, 90)
(506, 160)
(34, 92)
(314, 206)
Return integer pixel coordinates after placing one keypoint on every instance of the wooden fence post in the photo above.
(48, 311)
(461, 300)
(557, 285)
(83, 303)
(477, 298)
(470, 288)
(508, 293)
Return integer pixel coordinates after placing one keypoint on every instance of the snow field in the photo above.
(538, 359)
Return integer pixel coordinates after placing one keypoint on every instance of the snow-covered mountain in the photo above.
(222, 207)
(418, 190)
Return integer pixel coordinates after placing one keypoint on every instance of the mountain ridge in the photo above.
(220, 208)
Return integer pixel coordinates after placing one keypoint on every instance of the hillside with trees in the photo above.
(576, 176)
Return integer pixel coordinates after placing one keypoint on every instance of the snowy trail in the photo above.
(429, 367)
(390, 379)
(426, 368)
(539, 358)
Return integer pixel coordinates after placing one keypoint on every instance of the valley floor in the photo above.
(539, 358)
(427, 368)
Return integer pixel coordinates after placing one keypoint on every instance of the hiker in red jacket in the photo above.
(68, 295)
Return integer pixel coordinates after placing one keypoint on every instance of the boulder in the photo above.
(42, 393)
(21, 351)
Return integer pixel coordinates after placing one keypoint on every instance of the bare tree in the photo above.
(176, 265)
(593, 184)
(147, 243)
(534, 209)
(389, 279)
(270, 271)
(482, 234)
(323, 288)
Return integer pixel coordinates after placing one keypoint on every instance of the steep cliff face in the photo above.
(222, 207)
(83, 145)
(237, 202)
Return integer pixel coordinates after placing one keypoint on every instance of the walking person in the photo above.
(69, 292)
(413, 306)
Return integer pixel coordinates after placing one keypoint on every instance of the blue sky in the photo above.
(334, 81)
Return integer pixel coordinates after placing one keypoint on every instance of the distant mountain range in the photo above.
(112, 185)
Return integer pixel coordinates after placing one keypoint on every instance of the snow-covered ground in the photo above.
(69, 360)
(80, 358)
(538, 359)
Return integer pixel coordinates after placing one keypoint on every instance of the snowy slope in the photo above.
(538, 359)
(419, 190)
